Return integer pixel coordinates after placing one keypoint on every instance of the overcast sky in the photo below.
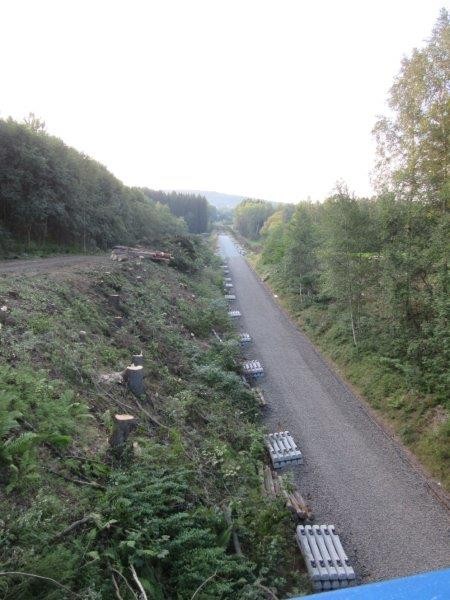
(273, 100)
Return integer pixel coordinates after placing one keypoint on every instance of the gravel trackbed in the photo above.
(355, 476)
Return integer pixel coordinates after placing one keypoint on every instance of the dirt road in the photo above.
(50, 265)
(355, 476)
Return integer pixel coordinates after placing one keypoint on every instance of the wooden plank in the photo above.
(260, 397)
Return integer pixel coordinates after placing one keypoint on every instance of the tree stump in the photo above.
(114, 300)
(118, 321)
(134, 377)
(123, 426)
(138, 360)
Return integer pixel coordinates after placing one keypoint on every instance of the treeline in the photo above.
(194, 209)
(373, 272)
(250, 215)
(51, 193)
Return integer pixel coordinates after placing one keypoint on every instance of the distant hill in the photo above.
(217, 199)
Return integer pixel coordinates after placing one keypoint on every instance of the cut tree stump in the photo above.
(123, 426)
(134, 378)
(114, 300)
(118, 321)
(138, 360)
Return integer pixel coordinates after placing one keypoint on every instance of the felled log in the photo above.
(217, 336)
(234, 535)
(269, 484)
(110, 378)
(260, 396)
(273, 487)
(123, 426)
(295, 502)
(121, 253)
(138, 360)
(134, 378)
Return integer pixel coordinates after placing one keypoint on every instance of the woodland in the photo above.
(53, 197)
(368, 277)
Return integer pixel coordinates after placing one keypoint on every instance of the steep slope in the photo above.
(97, 521)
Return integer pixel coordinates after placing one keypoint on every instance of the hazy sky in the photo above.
(267, 99)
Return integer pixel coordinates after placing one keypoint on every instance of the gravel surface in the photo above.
(354, 475)
(32, 266)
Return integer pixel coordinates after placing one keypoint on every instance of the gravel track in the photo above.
(355, 476)
(33, 266)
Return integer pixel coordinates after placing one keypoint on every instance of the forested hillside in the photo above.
(51, 194)
(368, 277)
(193, 208)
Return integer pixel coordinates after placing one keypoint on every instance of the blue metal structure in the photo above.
(434, 585)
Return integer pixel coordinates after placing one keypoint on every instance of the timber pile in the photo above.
(121, 253)
(273, 486)
(260, 396)
(283, 450)
(327, 563)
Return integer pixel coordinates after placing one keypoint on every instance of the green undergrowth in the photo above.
(158, 510)
(422, 421)
(12, 248)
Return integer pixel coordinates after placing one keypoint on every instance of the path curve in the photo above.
(354, 475)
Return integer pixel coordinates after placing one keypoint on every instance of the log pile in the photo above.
(260, 396)
(121, 253)
(274, 486)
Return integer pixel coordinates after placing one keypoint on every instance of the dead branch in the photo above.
(73, 526)
(266, 590)
(138, 583)
(125, 581)
(93, 484)
(202, 585)
(116, 587)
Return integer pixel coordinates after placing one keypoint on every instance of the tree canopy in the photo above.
(193, 208)
(380, 265)
(50, 192)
